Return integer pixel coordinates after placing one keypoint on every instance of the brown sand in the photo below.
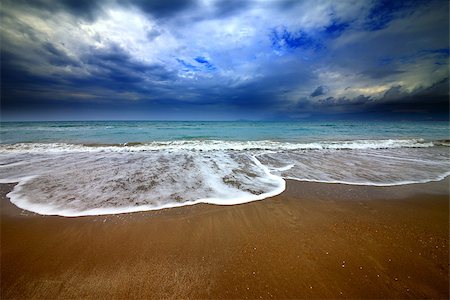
(313, 241)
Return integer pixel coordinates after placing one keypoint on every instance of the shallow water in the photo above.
(117, 132)
(90, 171)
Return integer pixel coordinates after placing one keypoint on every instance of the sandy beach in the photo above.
(312, 241)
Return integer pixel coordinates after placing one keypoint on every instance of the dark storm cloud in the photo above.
(166, 8)
(90, 9)
(113, 76)
(245, 59)
(81, 8)
(84, 9)
(384, 11)
(286, 4)
(57, 57)
(422, 103)
(336, 27)
(319, 91)
(115, 65)
(380, 72)
(224, 8)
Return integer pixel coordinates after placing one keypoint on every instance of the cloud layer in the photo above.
(224, 59)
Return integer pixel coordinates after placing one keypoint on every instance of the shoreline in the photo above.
(46, 210)
(313, 240)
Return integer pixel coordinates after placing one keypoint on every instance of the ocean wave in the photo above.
(218, 145)
(77, 185)
(55, 179)
(445, 143)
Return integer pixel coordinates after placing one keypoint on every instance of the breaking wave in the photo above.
(210, 145)
(94, 179)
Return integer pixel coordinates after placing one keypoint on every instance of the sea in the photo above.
(109, 167)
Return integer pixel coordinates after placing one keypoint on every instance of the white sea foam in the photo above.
(214, 145)
(76, 180)
(385, 167)
(100, 183)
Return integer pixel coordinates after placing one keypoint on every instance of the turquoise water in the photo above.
(112, 132)
(93, 168)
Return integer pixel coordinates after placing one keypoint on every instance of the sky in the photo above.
(224, 60)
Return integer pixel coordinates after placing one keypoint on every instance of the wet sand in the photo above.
(313, 241)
